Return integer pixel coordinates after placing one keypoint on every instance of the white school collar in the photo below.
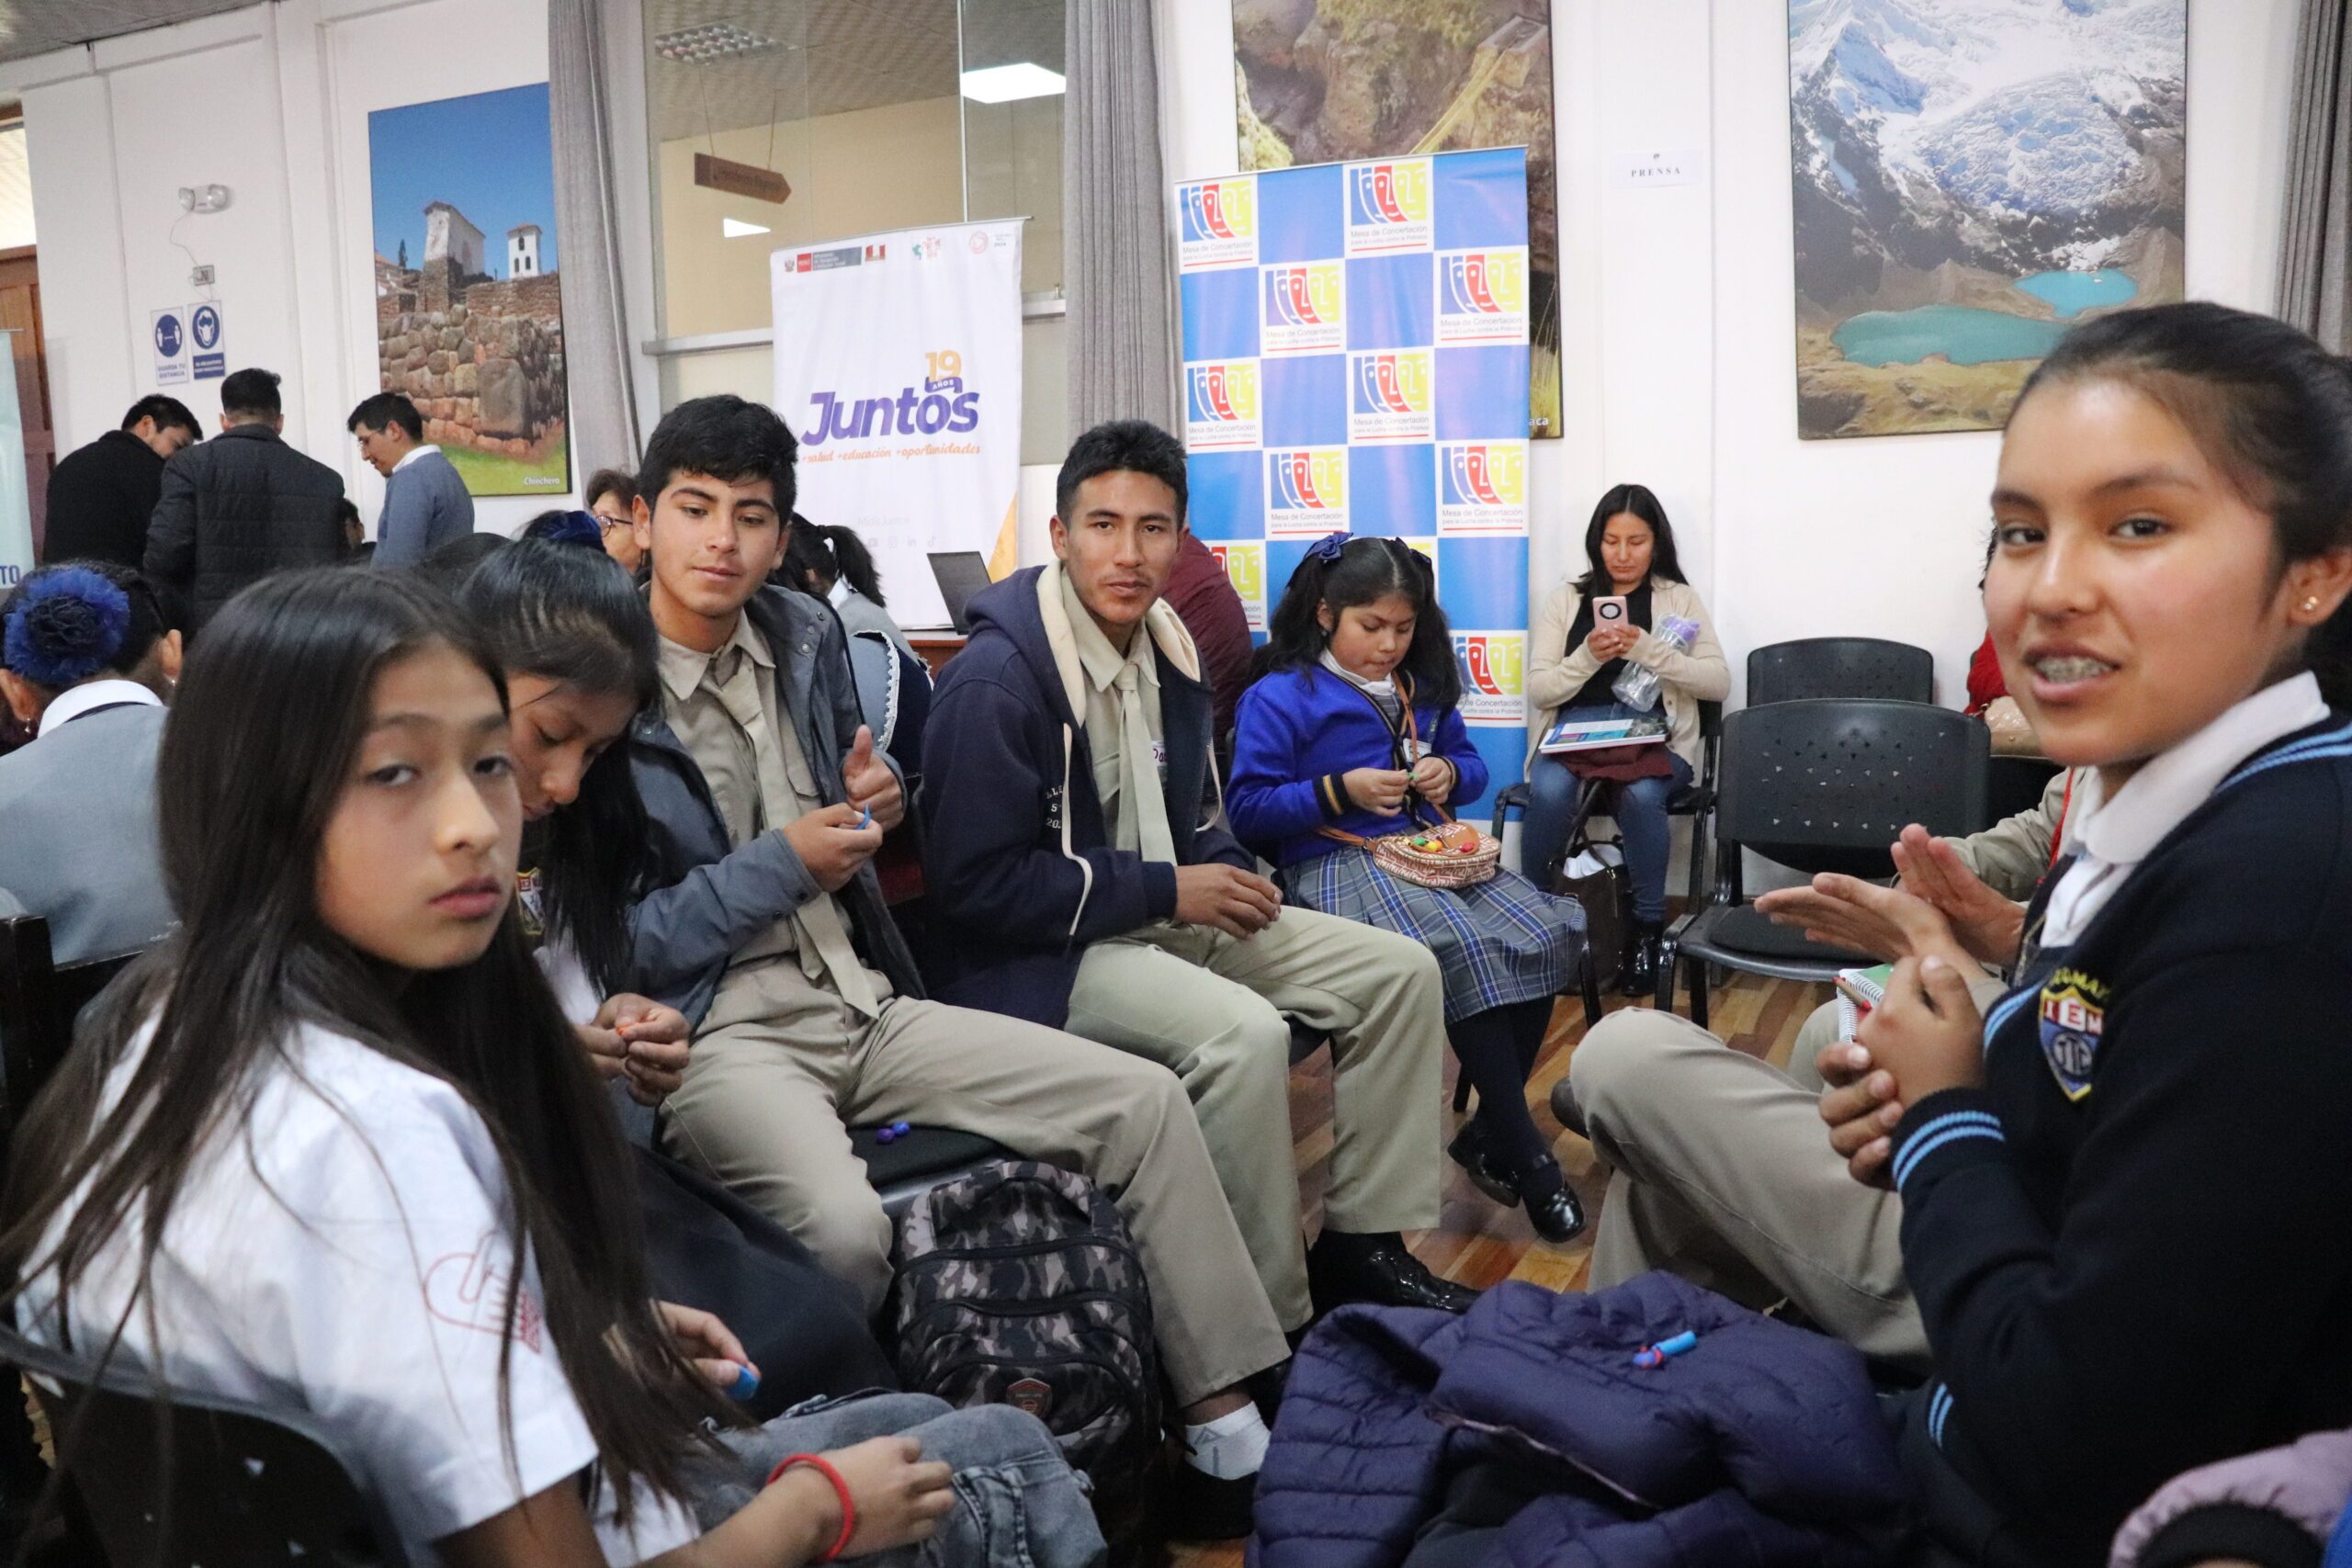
(2111, 837)
(76, 701)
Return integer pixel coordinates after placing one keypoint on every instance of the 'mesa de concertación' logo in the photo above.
(1306, 492)
(1388, 207)
(1482, 296)
(1221, 404)
(1303, 307)
(942, 405)
(1216, 223)
(1245, 568)
(1494, 677)
(1481, 487)
(1391, 396)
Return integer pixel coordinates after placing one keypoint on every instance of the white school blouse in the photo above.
(349, 1258)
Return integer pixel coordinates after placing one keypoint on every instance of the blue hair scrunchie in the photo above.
(68, 624)
(577, 528)
(1327, 548)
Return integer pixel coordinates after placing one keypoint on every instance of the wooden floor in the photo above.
(1474, 1241)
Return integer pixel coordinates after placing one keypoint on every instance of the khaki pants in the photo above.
(1214, 1009)
(764, 1103)
(1722, 1173)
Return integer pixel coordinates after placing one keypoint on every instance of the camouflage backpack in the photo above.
(1020, 1285)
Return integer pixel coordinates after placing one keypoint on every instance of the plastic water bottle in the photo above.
(1637, 688)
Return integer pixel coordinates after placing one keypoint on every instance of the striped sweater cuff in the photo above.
(1943, 1133)
(1331, 794)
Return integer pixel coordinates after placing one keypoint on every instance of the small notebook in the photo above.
(1859, 990)
(1591, 734)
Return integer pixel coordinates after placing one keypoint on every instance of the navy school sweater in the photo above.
(1298, 732)
(1017, 856)
(2132, 1245)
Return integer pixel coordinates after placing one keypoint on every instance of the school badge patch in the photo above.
(2073, 1014)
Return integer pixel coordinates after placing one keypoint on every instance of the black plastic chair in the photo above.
(1815, 667)
(39, 1003)
(1822, 785)
(248, 1488)
(1695, 800)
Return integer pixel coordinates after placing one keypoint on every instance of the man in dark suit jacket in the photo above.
(102, 495)
(234, 510)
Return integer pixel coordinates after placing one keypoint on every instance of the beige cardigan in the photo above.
(1556, 672)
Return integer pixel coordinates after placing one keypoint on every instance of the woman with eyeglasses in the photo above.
(611, 498)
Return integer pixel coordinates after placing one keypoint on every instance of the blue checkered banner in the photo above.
(1355, 357)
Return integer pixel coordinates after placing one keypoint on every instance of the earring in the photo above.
(2311, 603)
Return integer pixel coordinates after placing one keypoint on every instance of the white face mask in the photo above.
(1385, 686)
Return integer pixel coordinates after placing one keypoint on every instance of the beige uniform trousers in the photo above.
(1214, 1009)
(764, 1103)
(1721, 1172)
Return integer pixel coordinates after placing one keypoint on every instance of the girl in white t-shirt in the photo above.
(335, 1149)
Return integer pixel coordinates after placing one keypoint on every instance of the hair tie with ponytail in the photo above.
(68, 624)
(1330, 546)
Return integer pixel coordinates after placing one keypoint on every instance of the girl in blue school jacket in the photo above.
(1353, 726)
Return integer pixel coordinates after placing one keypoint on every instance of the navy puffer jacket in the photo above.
(1762, 1447)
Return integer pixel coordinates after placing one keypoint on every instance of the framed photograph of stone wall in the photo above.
(1972, 177)
(1340, 81)
(469, 290)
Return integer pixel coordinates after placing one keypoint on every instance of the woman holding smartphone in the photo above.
(1587, 632)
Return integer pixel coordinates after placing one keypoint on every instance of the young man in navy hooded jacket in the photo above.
(1126, 912)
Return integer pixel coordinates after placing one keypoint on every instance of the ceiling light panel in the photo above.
(1005, 84)
(715, 40)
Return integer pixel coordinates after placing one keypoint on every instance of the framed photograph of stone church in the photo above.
(468, 284)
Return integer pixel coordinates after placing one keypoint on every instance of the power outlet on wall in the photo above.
(201, 278)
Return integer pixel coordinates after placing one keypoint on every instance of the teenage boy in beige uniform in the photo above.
(1722, 1168)
(1085, 878)
(764, 923)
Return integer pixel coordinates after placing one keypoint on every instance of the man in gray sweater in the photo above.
(425, 502)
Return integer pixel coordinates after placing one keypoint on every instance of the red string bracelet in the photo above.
(840, 1490)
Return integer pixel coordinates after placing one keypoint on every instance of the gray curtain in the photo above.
(2315, 259)
(595, 328)
(1116, 262)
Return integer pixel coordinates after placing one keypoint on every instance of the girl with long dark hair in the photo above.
(2163, 1057)
(334, 1147)
(1354, 727)
(1573, 666)
(577, 645)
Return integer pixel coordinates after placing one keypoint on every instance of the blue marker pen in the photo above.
(1665, 1350)
(747, 1383)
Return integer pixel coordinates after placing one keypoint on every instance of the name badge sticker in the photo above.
(2074, 1016)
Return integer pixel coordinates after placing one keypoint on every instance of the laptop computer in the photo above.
(960, 574)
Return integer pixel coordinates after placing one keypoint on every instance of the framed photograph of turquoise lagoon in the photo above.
(1974, 177)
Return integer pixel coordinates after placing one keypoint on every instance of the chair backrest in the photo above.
(247, 1487)
(1840, 667)
(1826, 786)
(1710, 737)
(39, 1003)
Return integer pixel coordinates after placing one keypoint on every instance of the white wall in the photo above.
(272, 102)
(1678, 311)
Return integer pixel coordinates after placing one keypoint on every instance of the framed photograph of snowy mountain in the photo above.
(1972, 177)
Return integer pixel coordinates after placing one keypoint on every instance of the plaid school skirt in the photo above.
(1499, 942)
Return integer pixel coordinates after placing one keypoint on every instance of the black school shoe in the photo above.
(1342, 1268)
(1645, 952)
(1197, 1505)
(1555, 1211)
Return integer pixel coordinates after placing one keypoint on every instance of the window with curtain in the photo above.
(877, 115)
